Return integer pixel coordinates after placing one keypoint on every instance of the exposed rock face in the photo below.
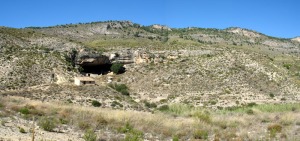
(123, 56)
(157, 26)
(131, 56)
(297, 39)
(142, 57)
(244, 32)
(86, 58)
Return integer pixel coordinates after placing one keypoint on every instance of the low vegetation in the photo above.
(48, 123)
(117, 68)
(196, 122)
(96, 103)
(122, 88)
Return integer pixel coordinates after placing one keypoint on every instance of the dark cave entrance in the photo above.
(96, 69)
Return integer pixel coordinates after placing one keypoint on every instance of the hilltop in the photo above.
(214, 69)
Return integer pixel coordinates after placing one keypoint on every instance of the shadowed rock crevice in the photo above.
(96, 69)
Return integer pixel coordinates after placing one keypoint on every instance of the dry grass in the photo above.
(220, 125)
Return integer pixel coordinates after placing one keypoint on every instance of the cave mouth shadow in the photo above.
(96, 69)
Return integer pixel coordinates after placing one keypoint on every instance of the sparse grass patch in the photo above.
(89, 135)
(269, 108)
(131, 133)
(179, 109)
(187, 111)
(24, 110)
(48, 123)
(287, 119)
(84, 125)
(192, 123)
(274, 129)
(200, 134)
(202, 116)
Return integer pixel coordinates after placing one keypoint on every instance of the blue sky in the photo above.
(279, 18)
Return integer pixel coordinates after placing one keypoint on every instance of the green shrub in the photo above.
(213, 102)
(24, 111)
(22, 130)
(274, 129)
(117, 68)
(89, 135)
(63, 121)
(163, 108)
(125, 128)
(250, 112)
(175, 138)
(287, 66)
(134, 135)
(271, 95)
(251, 104)
(131, 133)
(95, 103)
(122, 88)
(124, 92)
(48, 123)
(283, 99)
(150, 105)
(115, 103)
(203, 116)
(180, 109)
(200, 134)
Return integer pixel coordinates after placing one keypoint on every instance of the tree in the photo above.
(117, 68)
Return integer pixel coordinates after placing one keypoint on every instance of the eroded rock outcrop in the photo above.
(87, 58)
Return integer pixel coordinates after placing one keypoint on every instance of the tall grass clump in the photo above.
(186, 110)
(270, 108)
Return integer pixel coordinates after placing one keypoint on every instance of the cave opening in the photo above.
(96, 69)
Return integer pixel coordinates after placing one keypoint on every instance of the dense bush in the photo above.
(95, 103)
(150, 105)
(24, 111)
(117, 68)
(48, 123)
(122, 88)
(251, 104)
(287, 66)
(163, 108)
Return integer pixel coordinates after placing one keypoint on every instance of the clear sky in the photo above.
(279, 18)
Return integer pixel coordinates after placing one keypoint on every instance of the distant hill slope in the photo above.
(192, 65)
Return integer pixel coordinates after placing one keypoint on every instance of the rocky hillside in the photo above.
(200, 66)
(175, 84)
